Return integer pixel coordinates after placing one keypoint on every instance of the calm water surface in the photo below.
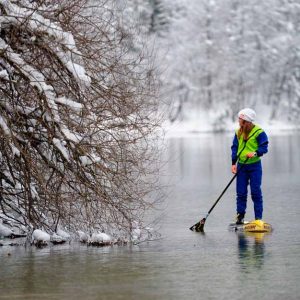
(183, 265)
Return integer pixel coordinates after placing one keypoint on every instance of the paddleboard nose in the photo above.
(257, 226)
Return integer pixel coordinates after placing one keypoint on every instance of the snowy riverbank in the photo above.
(200, 127)
(41, 238)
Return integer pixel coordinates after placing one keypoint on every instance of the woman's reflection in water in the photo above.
(251, 248)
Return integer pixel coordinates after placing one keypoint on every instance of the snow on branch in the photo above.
(36, 78)
(4, 126)
(37, 23)
(71, 136)
(70, 103)
(59, 145)
(4, 74)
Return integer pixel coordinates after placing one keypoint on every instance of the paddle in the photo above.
(199, 227)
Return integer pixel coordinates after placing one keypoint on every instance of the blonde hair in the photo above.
(245, 130)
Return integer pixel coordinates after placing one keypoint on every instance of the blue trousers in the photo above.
(249, 174)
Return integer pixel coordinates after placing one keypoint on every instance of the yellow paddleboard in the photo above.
(253, 226)
(257, 226)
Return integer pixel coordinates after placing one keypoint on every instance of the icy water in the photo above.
(183, 265)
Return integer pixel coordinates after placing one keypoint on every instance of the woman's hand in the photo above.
(251, 154)
(233, 169)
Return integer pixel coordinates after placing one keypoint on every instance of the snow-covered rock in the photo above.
(40, 238)
(63, 234)
(5, 231)
(57, 239)
(83, 237)
(60, 237)
(100, 239)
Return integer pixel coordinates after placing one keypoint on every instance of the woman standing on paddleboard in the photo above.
(250, 142)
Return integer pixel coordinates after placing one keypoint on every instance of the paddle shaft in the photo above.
(221, 194)
(229, 183)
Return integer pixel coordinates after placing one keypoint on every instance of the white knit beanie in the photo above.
(247, 114)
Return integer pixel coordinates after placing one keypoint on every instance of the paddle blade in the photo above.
(199, 227)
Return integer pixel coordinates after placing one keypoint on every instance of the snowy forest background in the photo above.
(220, 56)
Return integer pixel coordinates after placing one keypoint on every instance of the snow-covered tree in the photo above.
(220, 56)
(77, 111)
